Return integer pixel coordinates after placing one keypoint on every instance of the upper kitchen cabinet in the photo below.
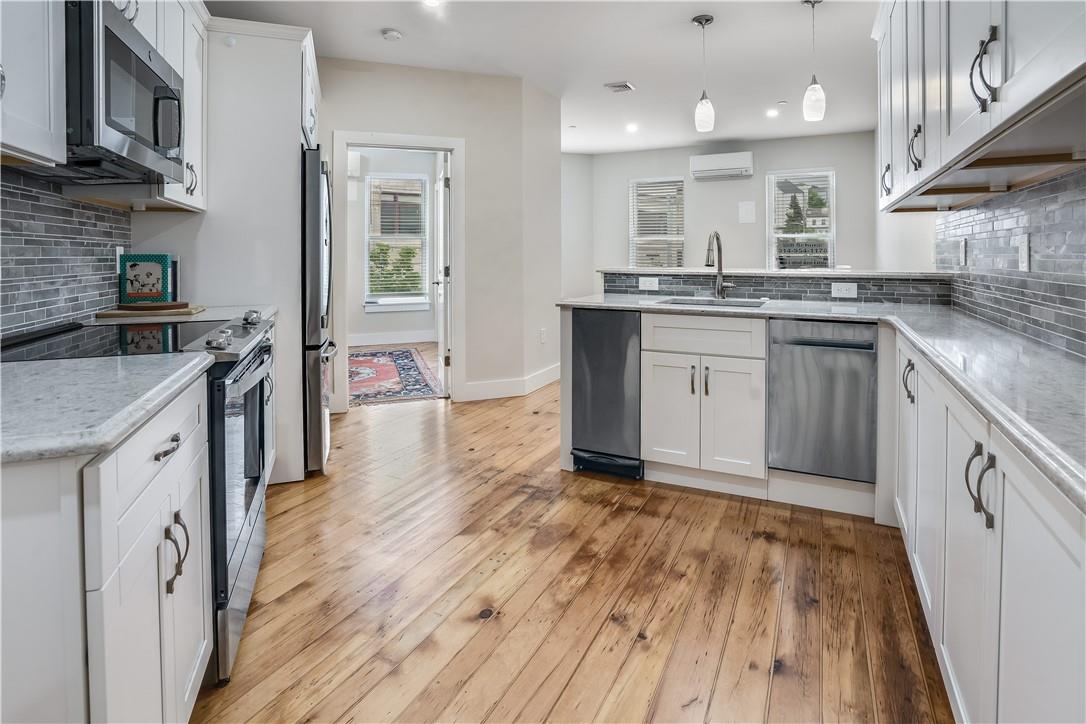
(310, 92)
(993, 101)
(191, 193)
(161, 23)
(32, 123)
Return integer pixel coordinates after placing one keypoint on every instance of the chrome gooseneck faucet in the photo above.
(719, 290)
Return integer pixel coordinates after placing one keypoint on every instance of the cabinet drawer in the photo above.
(722, 336)
(116, 485)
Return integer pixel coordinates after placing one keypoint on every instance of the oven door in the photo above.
(140, 115)
(239, 463)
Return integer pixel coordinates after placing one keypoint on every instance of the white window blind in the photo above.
(397, 249)
(801, 219)
(656, 222)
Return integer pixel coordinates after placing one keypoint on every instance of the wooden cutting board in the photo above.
(125, 313)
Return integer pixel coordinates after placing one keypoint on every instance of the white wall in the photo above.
(505, 124)
(713, 205)
(578, 271)
(905, 241)
(384, 327)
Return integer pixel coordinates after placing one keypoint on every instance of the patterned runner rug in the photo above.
(390, 375)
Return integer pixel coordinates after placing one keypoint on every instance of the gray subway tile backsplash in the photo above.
(1047, 301)
(57, 255)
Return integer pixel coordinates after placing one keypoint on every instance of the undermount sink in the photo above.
(712, 302)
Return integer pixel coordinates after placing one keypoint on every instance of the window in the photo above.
(397, 256)
(800, 218)
(656, 222)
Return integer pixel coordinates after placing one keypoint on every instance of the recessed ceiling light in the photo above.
(431, 3)
(391, 34)
(772, 113)
(631, 128)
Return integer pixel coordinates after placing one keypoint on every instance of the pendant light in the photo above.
(704, 115)
(814, 100)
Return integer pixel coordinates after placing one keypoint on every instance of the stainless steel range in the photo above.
(241, 430)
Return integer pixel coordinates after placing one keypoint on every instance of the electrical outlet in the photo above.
(649, 284)
(1023, 252)
(542, 335)
(120, 250)
(843, 290)
(963, 252)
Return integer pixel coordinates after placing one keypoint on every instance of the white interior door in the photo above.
(442, 272)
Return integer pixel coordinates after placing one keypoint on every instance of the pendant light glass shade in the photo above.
(814, 101)
(704, 115)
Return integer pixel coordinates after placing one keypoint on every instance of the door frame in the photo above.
(342, 258)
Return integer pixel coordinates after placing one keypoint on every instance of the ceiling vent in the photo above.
(621, 86)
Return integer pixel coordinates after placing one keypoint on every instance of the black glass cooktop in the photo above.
(111, 340)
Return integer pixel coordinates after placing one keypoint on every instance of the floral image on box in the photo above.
(145, 278)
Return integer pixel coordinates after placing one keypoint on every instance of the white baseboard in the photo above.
(511, 387)
(413, 336)
(705, 480)
(815, 491)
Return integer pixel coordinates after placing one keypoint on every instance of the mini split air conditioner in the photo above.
(722, 165)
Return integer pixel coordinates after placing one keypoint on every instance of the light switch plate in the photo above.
(1023, 252)
(963, 252)
(843, 290)
(649, 284)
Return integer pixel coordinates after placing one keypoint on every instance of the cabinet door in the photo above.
(1042, 638)
(171, 34)
(32, 122)
(1038, 45)
(922, 90)
(899, 77)
(964, 26)
(190, 191)
(970, 635)
(309, 92)
(144, 16)
(886, 120)
(126, 652)
(905, 491)
(670, 408)
(190, 602)
(733, 416)
(930, 500)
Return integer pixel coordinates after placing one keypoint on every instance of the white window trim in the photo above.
(770, 246)
(630, 257)
(406, 303)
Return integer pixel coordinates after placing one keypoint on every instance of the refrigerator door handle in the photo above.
(330, 350)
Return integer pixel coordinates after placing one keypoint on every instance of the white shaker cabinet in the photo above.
(885, 119)
(670, 405)
(1037, 44)
(966, 113)
(309, 92)
(733, 414)
(32, 117)
(191, 192)
(929, 524)
(1042, 627)
(905, 490)
(970, 636)
(923, 90)
(171, 34)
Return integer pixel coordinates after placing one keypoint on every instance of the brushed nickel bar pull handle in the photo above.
(177, 568)
(163, 454)
(989, 518)
(188, 539)
(978, 450)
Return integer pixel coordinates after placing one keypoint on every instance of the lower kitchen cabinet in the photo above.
(1042, 628)
(670, 408)
(733, 416)
(970, 634)
(999, 558)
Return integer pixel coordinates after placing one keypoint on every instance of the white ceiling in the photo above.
(759, 53)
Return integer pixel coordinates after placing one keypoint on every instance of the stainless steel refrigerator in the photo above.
(318, 349)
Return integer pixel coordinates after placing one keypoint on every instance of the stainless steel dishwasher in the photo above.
(606, 374)
(823, 398)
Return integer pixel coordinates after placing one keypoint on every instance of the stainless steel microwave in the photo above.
(124, 101)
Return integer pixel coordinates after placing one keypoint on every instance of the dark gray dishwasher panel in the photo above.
(607, 382)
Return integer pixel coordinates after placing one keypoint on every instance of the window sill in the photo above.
(397, 304)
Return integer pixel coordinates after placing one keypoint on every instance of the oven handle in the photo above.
(238, 385)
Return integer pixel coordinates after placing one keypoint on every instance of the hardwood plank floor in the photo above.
(446, 570)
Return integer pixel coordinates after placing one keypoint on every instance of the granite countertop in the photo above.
(60, 408)
(211, 314)
(1034, 394)
(817, 273)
